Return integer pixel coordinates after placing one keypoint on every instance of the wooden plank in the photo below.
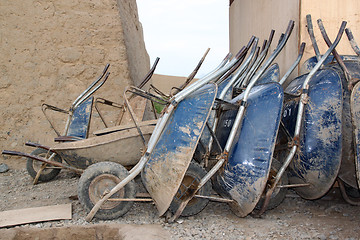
(37, 214)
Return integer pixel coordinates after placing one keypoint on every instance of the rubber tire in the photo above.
(352, 192)
(275, 200)
(43, 177)
(97, 170)
(195, 205)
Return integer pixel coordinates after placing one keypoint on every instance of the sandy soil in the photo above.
(327, 218)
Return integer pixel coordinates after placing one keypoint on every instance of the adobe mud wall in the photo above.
(52, 50)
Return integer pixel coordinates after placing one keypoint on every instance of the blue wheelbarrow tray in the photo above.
(272, 74)
(244, 176)
(318, 159)
(311, 62)
(348, 170)
(355, 107)
(172, 154)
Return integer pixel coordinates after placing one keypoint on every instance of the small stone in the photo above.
(180, 221)
(322, 237)
(3, 168)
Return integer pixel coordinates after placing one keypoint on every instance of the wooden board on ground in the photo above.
(37, 214)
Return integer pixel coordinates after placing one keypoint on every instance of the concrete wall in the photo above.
(52, 50)
(257, 18)
(332, 13)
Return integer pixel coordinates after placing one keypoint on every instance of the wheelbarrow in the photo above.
(239, 189)
(252, 149)
(312, 129)
(226, 88)
(122, 143)
(170, 146)
(349, 70)
(347, 67)
(206, 141)
(76, 149)
(354, 191)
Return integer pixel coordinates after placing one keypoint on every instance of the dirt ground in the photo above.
(327, 218)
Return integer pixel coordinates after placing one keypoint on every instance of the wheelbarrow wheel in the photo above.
(33, 166)
(279, 193)
(352, 192)
(192, 176)
(99, 179)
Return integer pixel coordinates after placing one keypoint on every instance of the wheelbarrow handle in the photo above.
(312, 36)
(243, 53)
(352, 41)
(259, 59)
(293, 66)
(334, 52)
(149, 74)
(81, 97)
(242, 70)
(86, 96)
(41, 159)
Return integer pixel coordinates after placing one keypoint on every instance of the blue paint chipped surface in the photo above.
(347, 172)
(246, 172)
(311, 62)
(272, 74)
(355, 107)
(173, 152)
(318, 160)
(80, 120)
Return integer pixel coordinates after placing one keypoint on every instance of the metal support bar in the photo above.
(352, 41)
(312, 37)
(57, 164)
(336, 55)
